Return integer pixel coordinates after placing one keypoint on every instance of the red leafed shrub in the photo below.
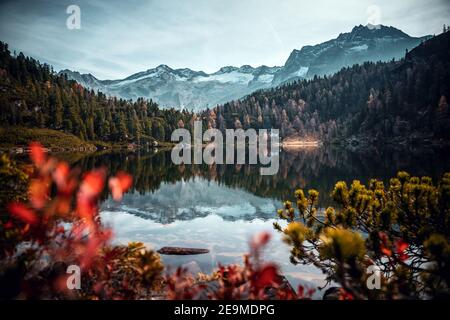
(254, 280)
(59, 227)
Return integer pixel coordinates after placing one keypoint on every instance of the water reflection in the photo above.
(220, 207)
(193, 198)
(318, 168)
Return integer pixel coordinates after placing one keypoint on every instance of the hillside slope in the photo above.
(385, 102)
(33, 96)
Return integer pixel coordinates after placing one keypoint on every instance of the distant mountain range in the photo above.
(196, 90)
(183, 88)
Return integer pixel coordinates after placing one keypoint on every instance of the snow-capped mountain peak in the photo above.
(196, 90)
(362, 43)
(369, 32)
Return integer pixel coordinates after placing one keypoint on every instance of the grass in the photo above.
(14, 137)
(58, 141)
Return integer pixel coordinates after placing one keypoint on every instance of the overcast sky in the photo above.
(118, 38)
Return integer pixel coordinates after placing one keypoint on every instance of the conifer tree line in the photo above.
(33, 95)
(378, 100)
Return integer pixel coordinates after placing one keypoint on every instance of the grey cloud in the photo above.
(119, 38)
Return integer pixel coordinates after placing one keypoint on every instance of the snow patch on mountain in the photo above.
(359, 48)
(233, 76)
(134, 80)
(301, 72)
(266, 78)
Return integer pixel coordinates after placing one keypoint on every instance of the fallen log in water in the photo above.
(181, 251)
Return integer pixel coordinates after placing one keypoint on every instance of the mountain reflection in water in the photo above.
(318, 168)
(196, 197)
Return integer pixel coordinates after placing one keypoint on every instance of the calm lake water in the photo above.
(220, 207)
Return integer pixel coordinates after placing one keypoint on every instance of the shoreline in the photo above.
(299, 144)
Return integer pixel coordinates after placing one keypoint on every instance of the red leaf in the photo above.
(260, 239)
(23, 213)
(61, 174)
(344, 295)
(383, 237)
(301, 291)
(386, 251)
(120, 184)
(8, 224)
(400, 247)
(38, 191)
(92, 183)
(267, 276)
(86, 209)
(402, 256)
(384, 244)
(37, 153)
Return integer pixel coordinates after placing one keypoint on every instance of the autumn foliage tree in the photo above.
(402, 230)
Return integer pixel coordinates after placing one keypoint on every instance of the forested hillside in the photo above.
(32, 95)
(398, 101)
